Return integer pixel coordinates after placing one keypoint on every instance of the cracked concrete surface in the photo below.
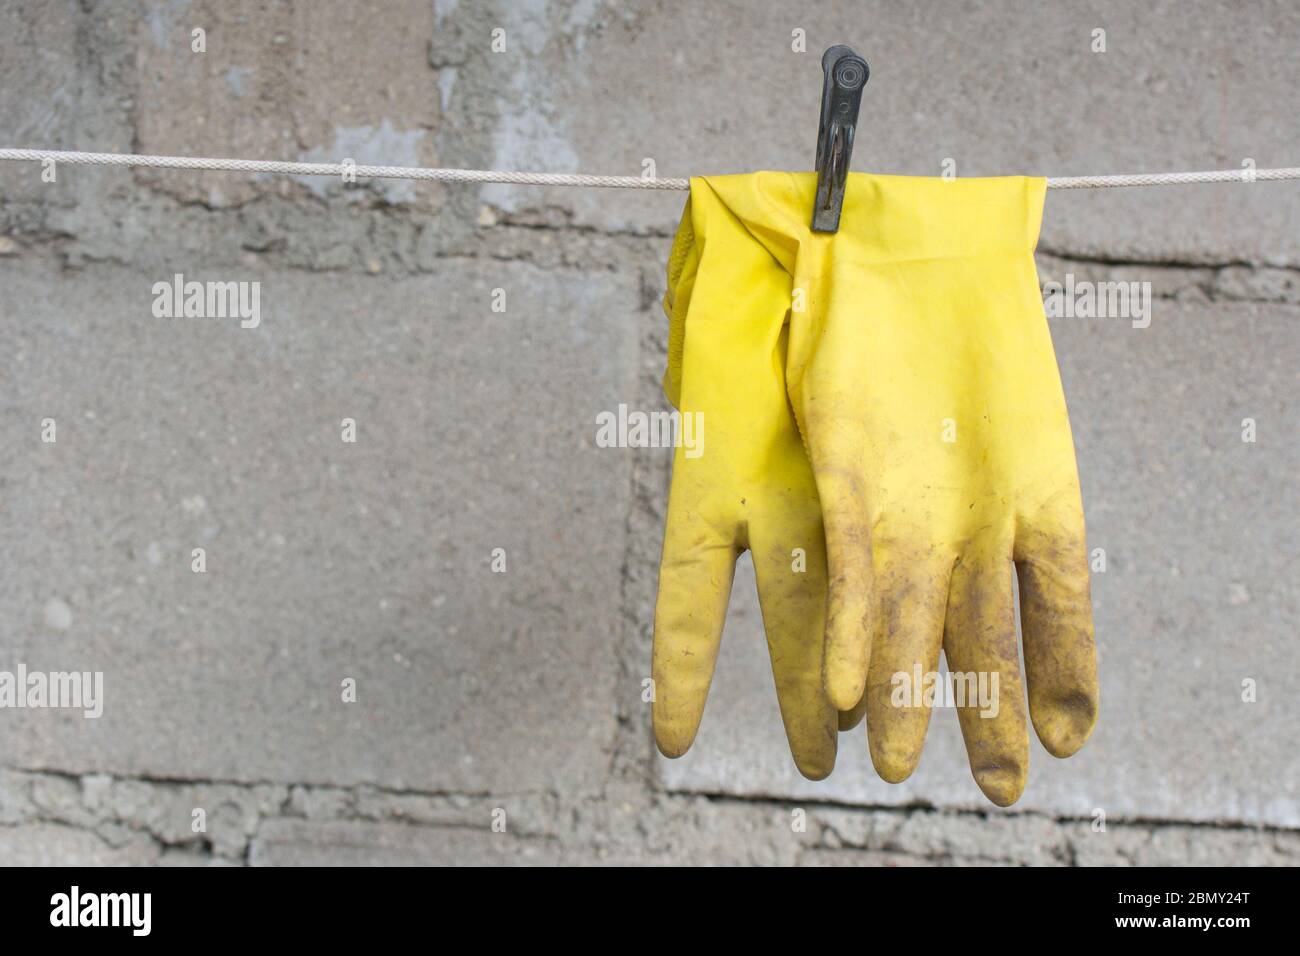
(498, 717)
(58, 818)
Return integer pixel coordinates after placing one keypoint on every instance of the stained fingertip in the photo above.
(914, 597)
(671, 737)
(818, 763)
(980, 645)
(1065, 723)
(850, 594)
(1056, 621)
(894, 763)
(1002, 784)
(845, 678)
(847, 648)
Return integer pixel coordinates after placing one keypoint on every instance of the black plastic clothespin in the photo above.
(845, 74)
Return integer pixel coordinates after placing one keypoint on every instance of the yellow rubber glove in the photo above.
(748, 487)
(922, 376)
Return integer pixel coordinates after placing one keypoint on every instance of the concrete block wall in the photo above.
(498, 716)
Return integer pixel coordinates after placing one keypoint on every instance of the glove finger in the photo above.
(695, 578)
(793, 603)
(849, 596)
(913, 596)
(980, 645)
(1060, 653)
(848, 719)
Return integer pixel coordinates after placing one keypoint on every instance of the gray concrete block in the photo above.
(300, 843)
(47, 844)
(38, 78)
(325, 561)
(1200, 594)
(945, 838)
(822, 857)
(322, 82)
(1186, 846)
(64, 84)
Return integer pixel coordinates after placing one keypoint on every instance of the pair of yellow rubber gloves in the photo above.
(887, 435)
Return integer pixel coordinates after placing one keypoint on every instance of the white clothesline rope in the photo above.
(339, 169)
(1243, 175)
